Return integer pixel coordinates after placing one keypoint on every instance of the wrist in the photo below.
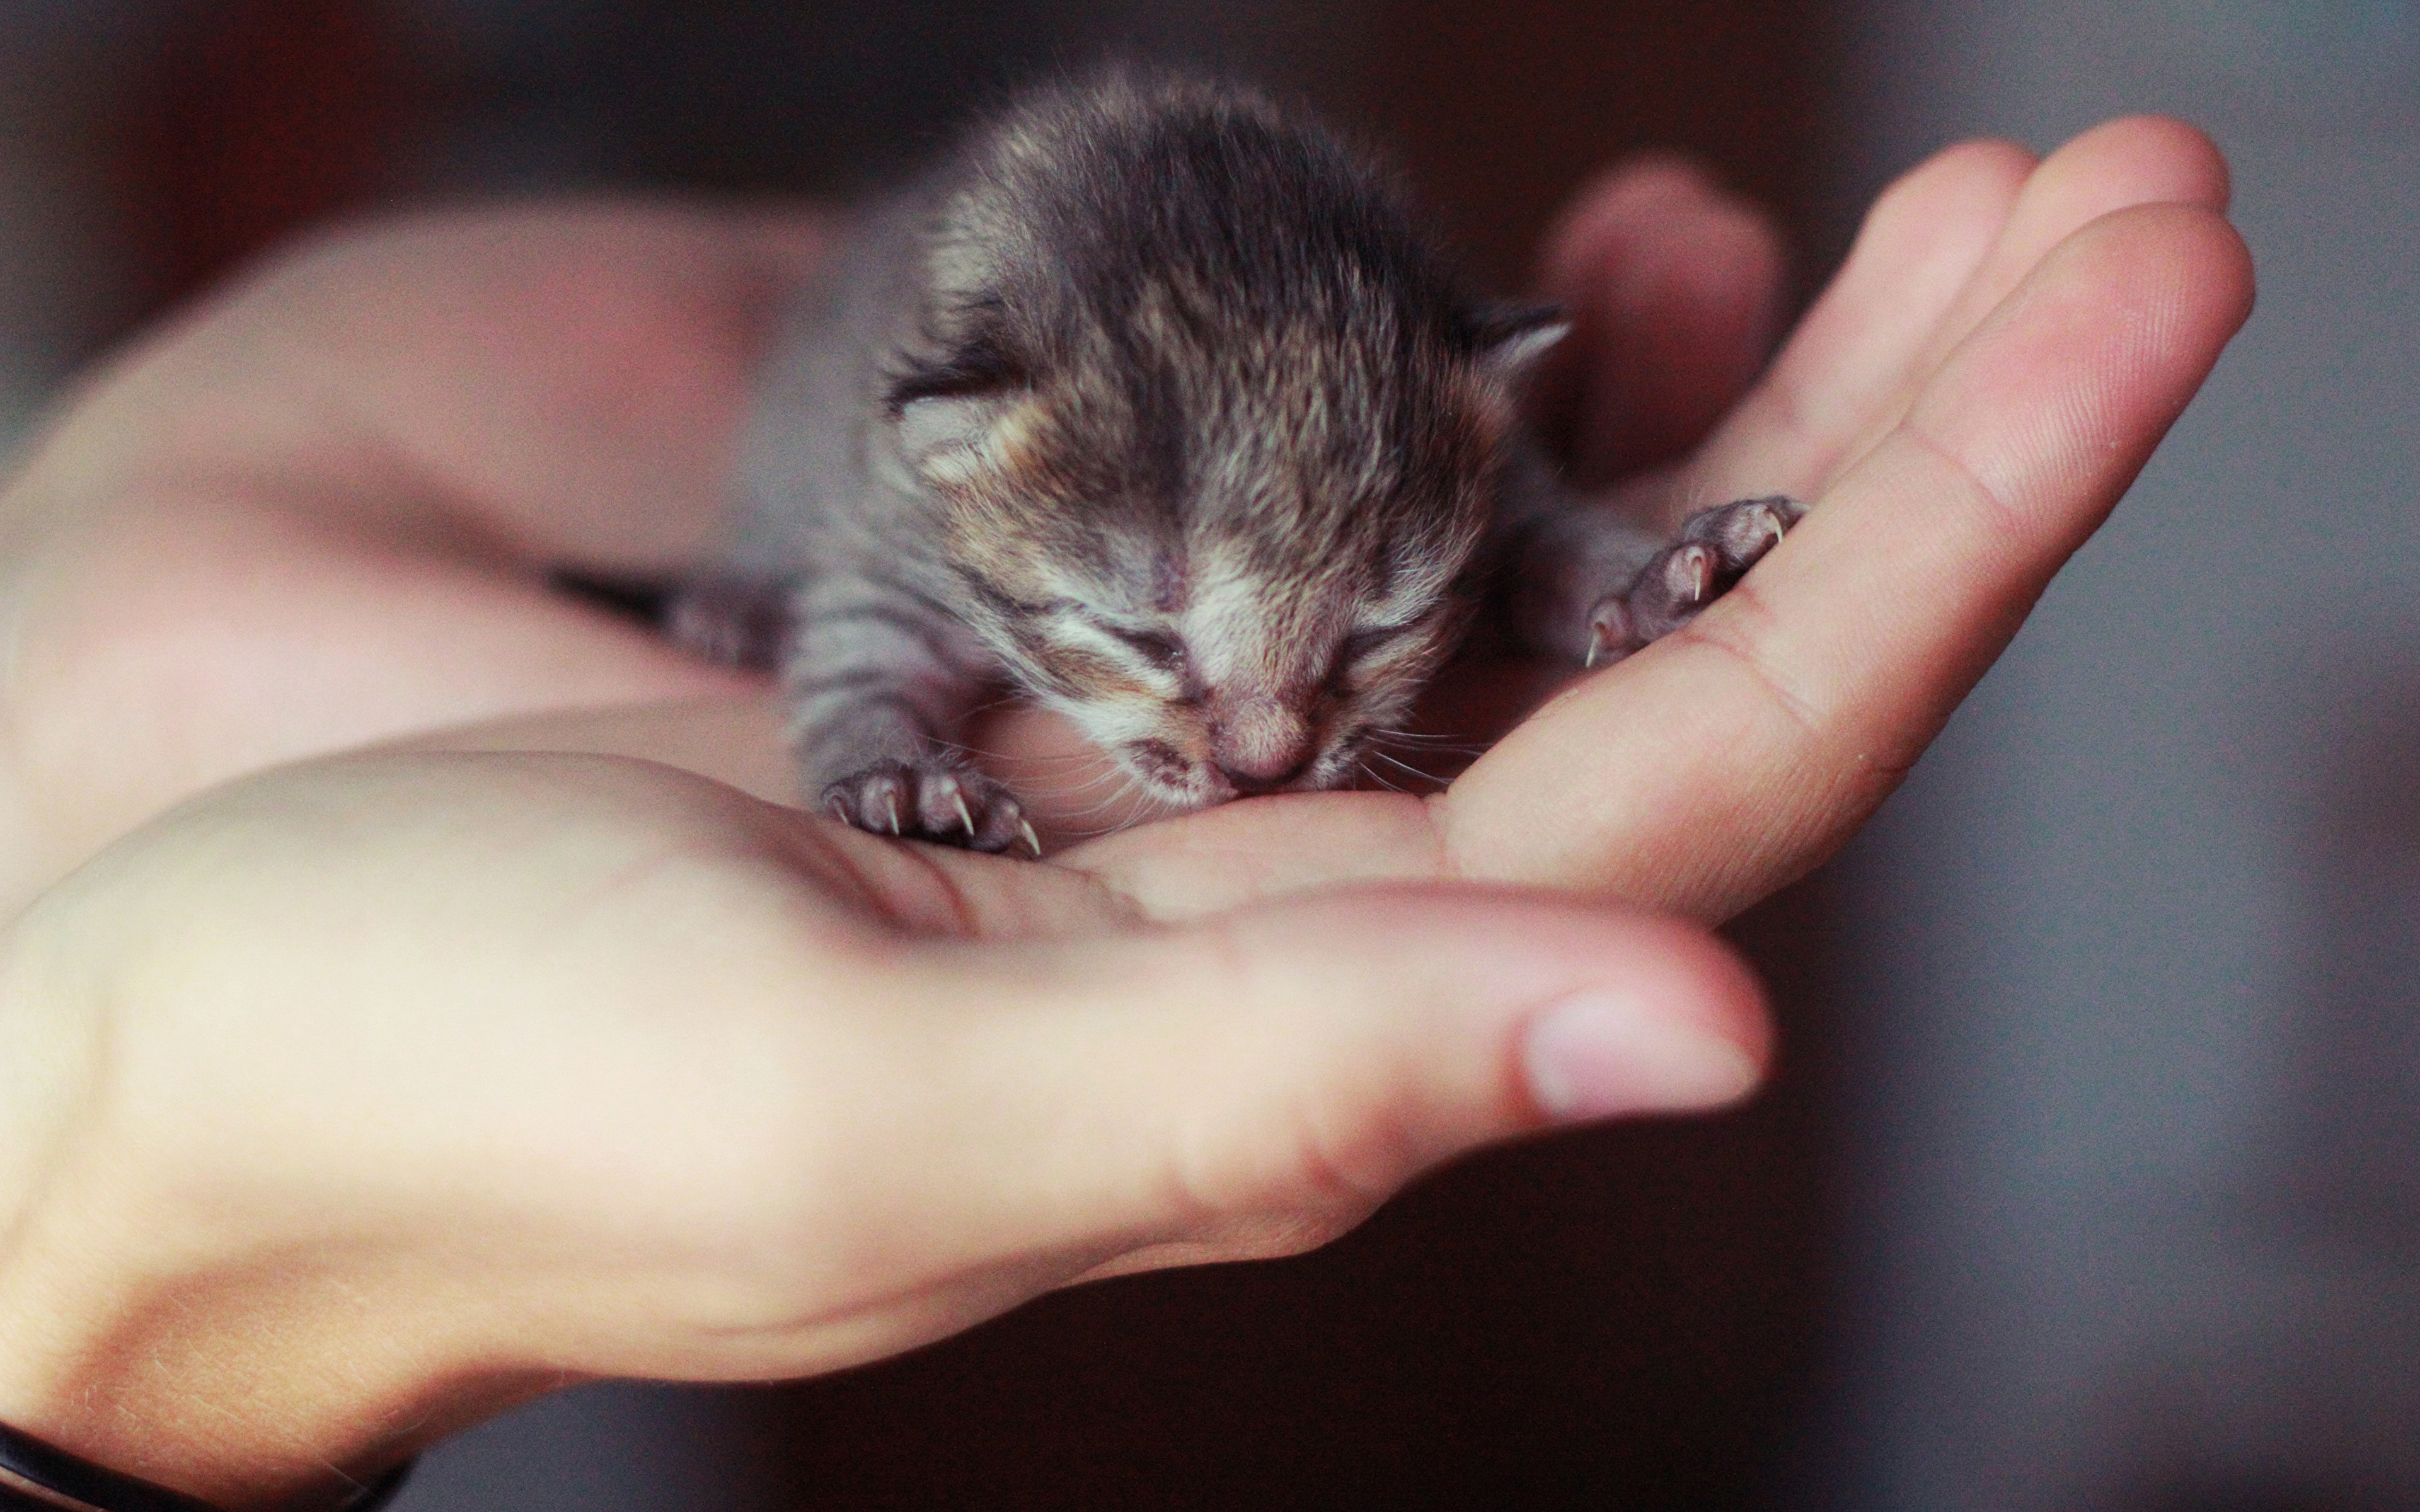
(145, 1325)
(230, 1387)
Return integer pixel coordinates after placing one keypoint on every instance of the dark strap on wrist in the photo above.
(81, 1481)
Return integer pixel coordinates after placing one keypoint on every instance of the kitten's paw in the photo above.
(933, 801)
(1715, 550)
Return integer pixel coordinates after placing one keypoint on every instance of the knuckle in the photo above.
(1741, 629)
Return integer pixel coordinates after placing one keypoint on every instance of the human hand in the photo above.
(313, 516)
(358, 1101)
(316, 513)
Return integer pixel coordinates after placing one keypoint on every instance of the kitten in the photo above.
(1154, 403)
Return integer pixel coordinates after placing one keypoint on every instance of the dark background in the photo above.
(2089, 1177)
(215, 129)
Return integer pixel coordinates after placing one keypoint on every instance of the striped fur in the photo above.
(1152, 402)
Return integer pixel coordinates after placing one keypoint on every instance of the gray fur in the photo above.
(1153, 403)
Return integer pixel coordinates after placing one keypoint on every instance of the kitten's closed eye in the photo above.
(1164, 651)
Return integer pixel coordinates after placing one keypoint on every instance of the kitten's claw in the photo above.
(1689, 575)
(1032, 841)
(932, 800)
(1715, 550)
(1611, 635)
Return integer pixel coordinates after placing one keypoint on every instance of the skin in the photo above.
(285, 1192)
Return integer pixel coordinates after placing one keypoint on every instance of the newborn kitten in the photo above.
(1154, 403)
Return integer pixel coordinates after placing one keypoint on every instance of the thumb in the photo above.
(1255, 1083)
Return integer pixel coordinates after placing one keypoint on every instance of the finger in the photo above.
(1799, 700)
(237, 636)
(736, 739)
(1262, 1080)
(1919, 249)
(2142, 160)
(552, 382)
(2145, 160)
(2138, 161)
(1674, 289)
(1242, 853)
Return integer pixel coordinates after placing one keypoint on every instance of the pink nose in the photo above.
(1260, 745)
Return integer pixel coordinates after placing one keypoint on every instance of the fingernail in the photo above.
(1594, 1055)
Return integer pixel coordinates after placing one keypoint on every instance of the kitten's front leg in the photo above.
(1592, 584)
(876, 686)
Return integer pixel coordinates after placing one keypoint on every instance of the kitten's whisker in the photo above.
(1096, 781)
(1428, 776)
(1464, 755)
(1000, 702)
(1088, 834)
(1372, 774)
(1047, 759)
(1106, 805)
(1102, 804)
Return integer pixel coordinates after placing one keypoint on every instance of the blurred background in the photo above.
(2092, 1176)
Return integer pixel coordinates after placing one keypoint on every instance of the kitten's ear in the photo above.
(1513, 339)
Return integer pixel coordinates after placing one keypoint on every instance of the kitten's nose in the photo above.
(1249, 784)
(1261, 746)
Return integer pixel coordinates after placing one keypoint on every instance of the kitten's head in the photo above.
(1214, 432)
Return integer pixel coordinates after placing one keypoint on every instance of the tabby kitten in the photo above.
(1154, 404)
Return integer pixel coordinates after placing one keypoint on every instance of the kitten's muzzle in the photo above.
(1260, 745)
